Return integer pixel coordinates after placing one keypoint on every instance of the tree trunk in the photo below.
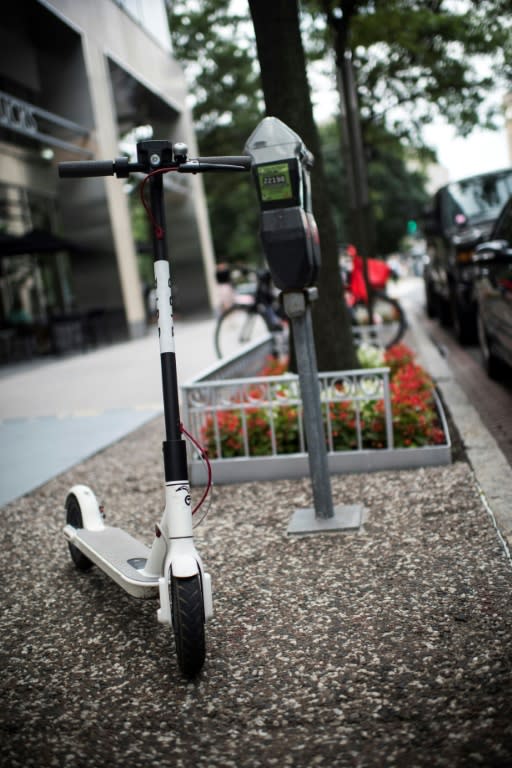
(287, 96)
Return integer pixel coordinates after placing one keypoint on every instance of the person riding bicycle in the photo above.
(378, 274)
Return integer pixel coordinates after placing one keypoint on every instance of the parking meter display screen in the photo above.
(275, 182)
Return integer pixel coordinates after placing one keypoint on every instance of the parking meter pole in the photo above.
(297, 307)
(281, 166)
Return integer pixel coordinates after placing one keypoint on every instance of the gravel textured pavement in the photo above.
(390, 646)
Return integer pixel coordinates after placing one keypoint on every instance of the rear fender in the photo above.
(92, 517)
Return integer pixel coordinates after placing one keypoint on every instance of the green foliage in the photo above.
(215, 46)
(415, 59)
(336, 178)
(397, 192)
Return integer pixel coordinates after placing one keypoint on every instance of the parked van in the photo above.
(460, 215)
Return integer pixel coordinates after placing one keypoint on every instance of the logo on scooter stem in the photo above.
(187, 491)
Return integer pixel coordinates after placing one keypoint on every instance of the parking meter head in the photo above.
(281, 166)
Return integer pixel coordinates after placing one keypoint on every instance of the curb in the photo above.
(491, 469)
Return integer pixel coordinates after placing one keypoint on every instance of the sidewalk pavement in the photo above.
(492, 471)
(55, 414)
(390, 646)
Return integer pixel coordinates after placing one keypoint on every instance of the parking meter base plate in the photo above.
(347, 517)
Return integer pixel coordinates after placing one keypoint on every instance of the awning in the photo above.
(35, 241)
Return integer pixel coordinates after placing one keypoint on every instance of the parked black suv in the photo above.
(493, 292)
(460, 216)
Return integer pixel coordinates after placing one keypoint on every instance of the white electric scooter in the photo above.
(171, 567)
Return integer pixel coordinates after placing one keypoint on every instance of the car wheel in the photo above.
(430, 300)
(444, 312)
(492, 364)
(464, 325)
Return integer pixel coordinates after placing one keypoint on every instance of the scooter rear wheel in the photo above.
(188, 623)
(74, 518)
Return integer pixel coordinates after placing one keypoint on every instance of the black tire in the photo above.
(492, 364)
(74, 518)
(444, 312)
(431, 302)
(463, 322)
(237, 326)
(188, 623)
(389, 319)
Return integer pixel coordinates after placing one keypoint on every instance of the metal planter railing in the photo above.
(204, 399)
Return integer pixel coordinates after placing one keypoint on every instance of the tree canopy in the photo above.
(397, 192)
(217, 49)
(417, 59)
(412, 60)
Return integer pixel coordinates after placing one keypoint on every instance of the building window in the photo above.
(151, 15)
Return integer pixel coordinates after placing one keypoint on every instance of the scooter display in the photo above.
(172, 567)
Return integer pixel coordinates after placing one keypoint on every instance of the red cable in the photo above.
(205, 458)
(158, 230)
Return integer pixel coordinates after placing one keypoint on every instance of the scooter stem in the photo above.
(174, 447)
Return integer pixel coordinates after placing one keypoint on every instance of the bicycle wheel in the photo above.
(237, 326)
(389, 323)
(188, 623)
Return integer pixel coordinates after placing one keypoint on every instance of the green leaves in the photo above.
(215, 44)
(413, 59)
(424, 58)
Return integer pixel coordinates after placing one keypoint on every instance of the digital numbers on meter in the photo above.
(275, 182)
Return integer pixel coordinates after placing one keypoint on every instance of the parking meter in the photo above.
(289, 234)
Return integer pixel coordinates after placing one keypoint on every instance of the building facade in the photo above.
(79, 80)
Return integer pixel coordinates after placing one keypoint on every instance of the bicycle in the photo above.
(254, 315)
(172, 567)
(257, 314)
(384, 322)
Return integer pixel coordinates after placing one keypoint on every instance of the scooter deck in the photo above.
(121, 556)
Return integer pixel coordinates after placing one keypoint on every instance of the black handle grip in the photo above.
(84, 168)
(244, 160)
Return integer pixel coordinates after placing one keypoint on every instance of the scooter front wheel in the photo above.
(74, 518)
(188, 621)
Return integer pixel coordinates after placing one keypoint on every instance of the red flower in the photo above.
(415, 418)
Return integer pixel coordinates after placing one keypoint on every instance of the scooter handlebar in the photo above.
(84, 168)
(122, 168)
(242, 160)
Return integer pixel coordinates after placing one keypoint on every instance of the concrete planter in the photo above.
(215, 390)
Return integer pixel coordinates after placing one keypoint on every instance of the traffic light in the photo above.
(412, 227)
